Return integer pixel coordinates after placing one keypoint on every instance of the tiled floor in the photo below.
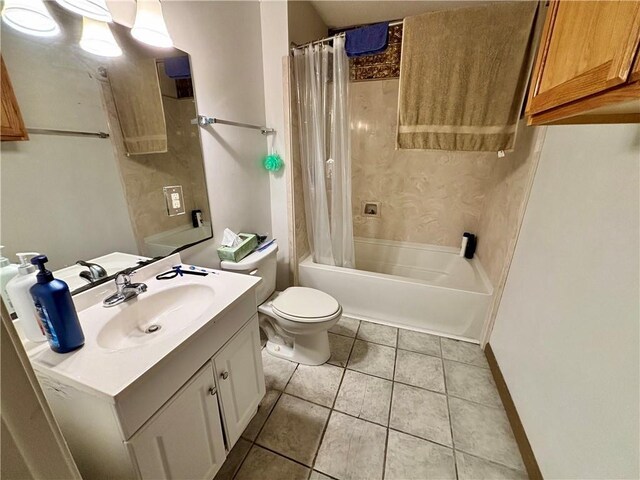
(407, 406)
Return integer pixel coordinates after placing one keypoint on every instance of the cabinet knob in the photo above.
(212, 391)
(225, 375)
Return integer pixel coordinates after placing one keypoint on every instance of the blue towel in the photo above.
(177, 67)
(367, 40)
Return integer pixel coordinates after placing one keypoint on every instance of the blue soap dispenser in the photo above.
(56, 309)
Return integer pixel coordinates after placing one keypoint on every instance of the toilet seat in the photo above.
(305, 305)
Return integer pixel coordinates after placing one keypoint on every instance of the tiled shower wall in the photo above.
(427, 196)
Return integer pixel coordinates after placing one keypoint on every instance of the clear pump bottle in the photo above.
(18, 290)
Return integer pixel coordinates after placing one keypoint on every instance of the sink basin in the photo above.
(152, 317)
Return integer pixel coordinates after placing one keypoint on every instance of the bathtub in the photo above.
(416, 286)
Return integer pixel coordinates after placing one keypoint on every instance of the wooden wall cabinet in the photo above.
(588, 65)
(12, 125)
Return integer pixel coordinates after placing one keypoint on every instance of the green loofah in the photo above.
(273, 162)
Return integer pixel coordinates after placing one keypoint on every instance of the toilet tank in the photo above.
(262, 264)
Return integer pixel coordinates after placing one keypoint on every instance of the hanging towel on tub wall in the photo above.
(136, 93)
(462, 77)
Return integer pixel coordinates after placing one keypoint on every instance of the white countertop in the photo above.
(108, 372)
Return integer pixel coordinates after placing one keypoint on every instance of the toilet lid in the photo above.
(302, 302)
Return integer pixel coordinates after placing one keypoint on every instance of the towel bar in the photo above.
(73, 133)
(203, 121)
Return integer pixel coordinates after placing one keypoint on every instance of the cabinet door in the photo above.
(240, 379)
(183, 440)
(12, 126)
(587, 47)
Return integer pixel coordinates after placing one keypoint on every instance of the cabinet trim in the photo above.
(607, 75)
(15, 129)
(571, 110)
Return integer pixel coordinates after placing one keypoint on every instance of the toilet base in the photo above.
(307, 349)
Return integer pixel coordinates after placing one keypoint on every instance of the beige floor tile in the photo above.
(264, 409)
(265, 465)
(421, 413)
(419, 342)
(294, 428)
(352, 449)
(484, 432)
(277, 371)
(382, 334)
(464, 352)
(340, 349)
(373, 359)
(471, 383)
(420, 370)
(234, 460)
(474, 468)
(365, 397)
(410, 458)
(318, 384)
(346, 326)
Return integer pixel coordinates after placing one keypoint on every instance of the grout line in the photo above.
(331, 410)
(466, 364)
(253, 442)
(341, 334)
(493, 462)
(421, 438)
(282, 455)
(446, 391)
(393, 383)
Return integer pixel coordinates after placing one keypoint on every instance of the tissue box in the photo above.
(235, 254)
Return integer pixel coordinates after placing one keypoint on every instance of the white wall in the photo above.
(567, 331)
(60, 195)
(305, 24)
(275, 47)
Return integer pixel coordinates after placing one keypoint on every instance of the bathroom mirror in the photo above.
(112, 172)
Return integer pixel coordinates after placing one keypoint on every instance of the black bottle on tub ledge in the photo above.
(470, 245)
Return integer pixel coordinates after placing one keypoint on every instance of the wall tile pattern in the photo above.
(426, 196)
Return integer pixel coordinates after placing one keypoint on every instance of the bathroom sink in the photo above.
(155, 316)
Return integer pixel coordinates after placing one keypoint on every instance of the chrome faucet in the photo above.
(125, 290)
(95, 272)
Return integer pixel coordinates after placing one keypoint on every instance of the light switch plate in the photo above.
(174, 200)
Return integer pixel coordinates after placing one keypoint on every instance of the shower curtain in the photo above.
(322, 79)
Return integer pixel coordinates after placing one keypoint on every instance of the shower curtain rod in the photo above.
(341, 34)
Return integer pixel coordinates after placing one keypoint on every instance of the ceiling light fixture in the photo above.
(149, 26)
(30, 17)
(98, 39)
(95, 9)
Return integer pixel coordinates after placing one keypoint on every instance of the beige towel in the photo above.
(462, 77)
(136, 92)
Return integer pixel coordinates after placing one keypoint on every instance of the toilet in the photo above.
(296, 320)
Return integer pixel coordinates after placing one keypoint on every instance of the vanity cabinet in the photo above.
(160, 447)
(12, 127)
(178, 421)
(587, 66)
(240, 380)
